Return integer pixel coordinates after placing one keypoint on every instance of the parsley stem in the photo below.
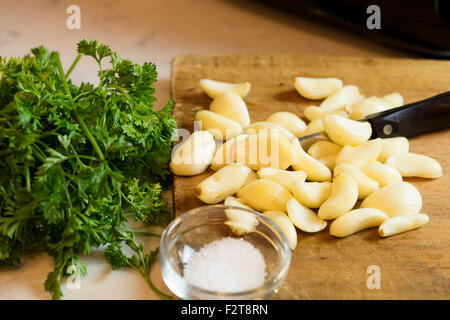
(146, 275)
(81, 95)
(145, 266)
(75, 112)
(27, 176)
(150, 234)
(38, 152)
(88, 134)
(152, 286)
(74, 63)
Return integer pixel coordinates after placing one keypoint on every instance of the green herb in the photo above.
(77, 160)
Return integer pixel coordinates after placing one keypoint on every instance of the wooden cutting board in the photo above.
(413, 265)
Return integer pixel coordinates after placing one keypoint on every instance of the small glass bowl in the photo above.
(200, 226)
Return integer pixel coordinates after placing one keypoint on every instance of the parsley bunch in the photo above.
(76, 161)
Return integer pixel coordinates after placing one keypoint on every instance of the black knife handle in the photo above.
(420, 117)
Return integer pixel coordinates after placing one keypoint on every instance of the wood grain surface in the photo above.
(413, 265)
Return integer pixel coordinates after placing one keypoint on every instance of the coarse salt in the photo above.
(226, 265)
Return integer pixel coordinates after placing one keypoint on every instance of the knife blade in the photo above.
(410, 120)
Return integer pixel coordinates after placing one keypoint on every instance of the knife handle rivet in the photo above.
(387, 129)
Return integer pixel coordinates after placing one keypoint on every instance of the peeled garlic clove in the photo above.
(345, 131)
(384, 174)
(304, 218)
(239, 221)
(314, 126)
(393, 146)
(264, 195)
(366, 185)
(395, 199)
(315, 170)
(286, 225)
(358, 156)
(312, 112)
(289, 121)
(368, 106)
(322, 149)
(316, 88)
(346, 96)
(264, 126)
(326, 152)
(357, 220)
(223, 183)
(252, 176)
(236, 202)
(311, 194)
(283, 177)
(415, 165)
(219, 126)
(395, 99)
(344, 194)
(194, 155)
(225, 153)
(266, 149)
(215, 88)
(242, 225)
(231, 106)
(400, 224)
(329, 161)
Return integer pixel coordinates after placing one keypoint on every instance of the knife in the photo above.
(410, 120)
